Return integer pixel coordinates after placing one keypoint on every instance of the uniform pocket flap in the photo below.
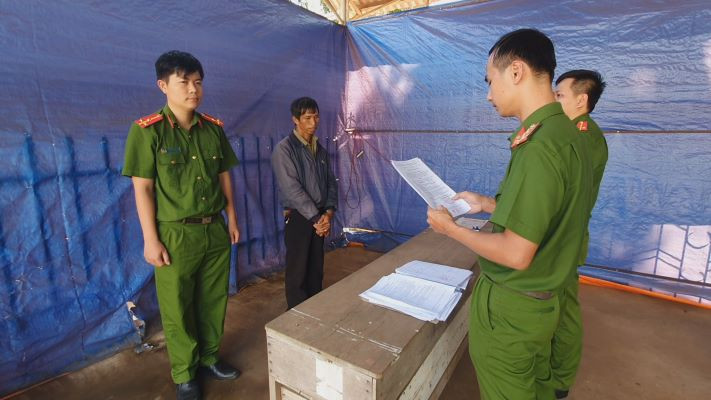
(171, 158)
(213, 154)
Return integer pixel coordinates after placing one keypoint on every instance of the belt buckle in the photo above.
(206, 220)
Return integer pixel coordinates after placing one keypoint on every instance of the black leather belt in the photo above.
(200, 220)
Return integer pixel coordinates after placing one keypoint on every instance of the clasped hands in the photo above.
(323, 225)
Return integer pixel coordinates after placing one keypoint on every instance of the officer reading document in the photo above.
(179, 161)
(539, 217)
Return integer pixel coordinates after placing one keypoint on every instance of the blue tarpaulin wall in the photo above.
(74, 76)
(415, 88)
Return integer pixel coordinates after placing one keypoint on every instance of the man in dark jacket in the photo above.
(308, 193)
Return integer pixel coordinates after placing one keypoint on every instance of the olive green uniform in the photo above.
(568, 339)
(515, 313)
(192, 290)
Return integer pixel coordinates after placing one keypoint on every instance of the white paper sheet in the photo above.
(471, 223)
(445, 274)
(417, 297)
(429, 186)
(421, 289)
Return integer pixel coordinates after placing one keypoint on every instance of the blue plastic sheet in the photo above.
(424, 69)
(415, 88)
(74, 76)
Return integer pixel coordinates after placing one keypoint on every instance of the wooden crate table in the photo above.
(337, 346)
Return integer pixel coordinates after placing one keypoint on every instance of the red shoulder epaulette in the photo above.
(212, 119)
(148, 120)
(583, 126)
(523, 135)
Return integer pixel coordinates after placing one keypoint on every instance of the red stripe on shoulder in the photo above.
(212, 119)
(149, 120)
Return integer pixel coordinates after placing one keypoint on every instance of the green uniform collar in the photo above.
(537, 116)
(172, 120)
(583, 117)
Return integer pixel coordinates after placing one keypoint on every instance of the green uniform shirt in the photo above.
(545, 198)
(184, 164)
(598, 153)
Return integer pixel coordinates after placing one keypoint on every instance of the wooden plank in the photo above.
(313, 376)
(401, 372)
(365, 351)
(287, 394)
(274, 392)
(313, 329)
(461, 351)
(290, 366)
(442, 355)
(325, 320)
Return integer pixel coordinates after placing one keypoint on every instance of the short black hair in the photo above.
(178, 62)
(301, 105)
(528, 45)
(585, 81)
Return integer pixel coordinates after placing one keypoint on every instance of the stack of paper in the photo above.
(420, 289)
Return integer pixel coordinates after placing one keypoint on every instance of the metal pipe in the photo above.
(508, 132)
(345, 12)
(646, 275)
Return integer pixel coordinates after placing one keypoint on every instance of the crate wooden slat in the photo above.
(336, 346)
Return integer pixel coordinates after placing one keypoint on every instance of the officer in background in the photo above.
(577, 92)
(538, 228)
(179, 161)
(309, 195)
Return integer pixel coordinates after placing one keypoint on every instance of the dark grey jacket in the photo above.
(306, 183)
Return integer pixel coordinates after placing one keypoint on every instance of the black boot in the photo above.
(220, 370)
(561, 394)
(188, 391)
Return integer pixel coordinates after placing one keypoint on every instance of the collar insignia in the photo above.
(523, 135)
(148, 120)
(212, 119)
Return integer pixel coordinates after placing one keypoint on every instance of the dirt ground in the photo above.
(635, 347)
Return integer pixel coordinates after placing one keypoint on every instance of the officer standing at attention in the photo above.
(179, 161)
(308, 192)
(577, 92)
(538, 226)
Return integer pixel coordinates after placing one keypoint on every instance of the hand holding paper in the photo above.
(440, 220)
(429, 186)
(474, 200)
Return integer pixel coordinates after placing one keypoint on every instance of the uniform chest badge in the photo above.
(582, 126)
(170, 150)
(523, 135)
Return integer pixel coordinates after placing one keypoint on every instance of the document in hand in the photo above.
(429, 186)
(423, 290)
(472, 223)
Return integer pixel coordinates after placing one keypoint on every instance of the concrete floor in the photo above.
(635, 347)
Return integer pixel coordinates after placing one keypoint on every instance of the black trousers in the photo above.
(304, 259)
